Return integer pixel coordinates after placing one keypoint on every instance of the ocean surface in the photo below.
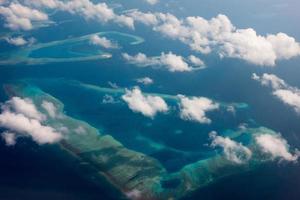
(33, 172)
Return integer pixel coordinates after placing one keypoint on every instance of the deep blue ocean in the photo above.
(30, 171)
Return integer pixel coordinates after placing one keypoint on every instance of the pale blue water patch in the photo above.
(69, 50)
(72, 49)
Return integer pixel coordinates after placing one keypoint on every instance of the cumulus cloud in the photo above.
(108, 99)
(270, 80)
(50, 108)
(145, 81)
(9, 138)
(231, 109)
(113, 85)
(103, 42)
(152, 2)
(233, 151)
(287, 94)
(145, 18)
(80, 130)
(20, 17)
(285, 47)
(19, 41)
(265, 146)
(275, 146)
(172, 62)
(25, 107)
(290, 98)
(134, 194)
(148, 105)
(197, 62)
(29, 127)
(21, 117)
(221, 36)
(140, 59)
(44, 3)
(100, 12)
(195, 108)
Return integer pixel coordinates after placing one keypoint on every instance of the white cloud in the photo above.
(29, 127)
(231, 109)
(265, 146)
(44, 3)
(22, 118)
(275, 146)
(221, 36)
(284, 46)
(196, 61)
(148, 105)
(108, 99)
(9, 138)
(25, 107)
(50, 108)
(80, 130)
(170, 61)
(270, 80)
(170, 26)
(145, 18)
(19, 41)
(145, 81)
(287, 94)
(103, 42)
(174, 62)
(290, 98)
(233, 151)
(152, 2)
(195, 108)
(255, 77)
(140, 59)
(19, 17)
(86, 8)
(134, 194)
(113, 85)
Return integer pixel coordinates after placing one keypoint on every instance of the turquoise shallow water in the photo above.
(68, 50)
